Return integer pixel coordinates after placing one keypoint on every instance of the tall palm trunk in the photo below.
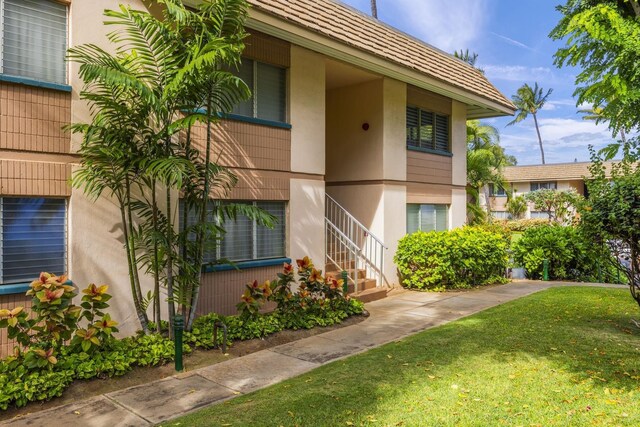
(134, 278)
(157, 314)
(169, 238)
(203, 216)
(623, 136)
(535, 120)
(374, 9)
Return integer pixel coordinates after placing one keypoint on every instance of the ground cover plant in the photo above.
(565, 357)
(460, 258)
(59, 342)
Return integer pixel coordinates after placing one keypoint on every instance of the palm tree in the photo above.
(529, 100)
(374, 9)
(137, 145)
(596, 114)
(469, 57)
(485, 161)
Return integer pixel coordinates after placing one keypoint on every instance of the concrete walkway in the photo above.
(392, 318)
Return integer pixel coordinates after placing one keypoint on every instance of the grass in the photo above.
(566, 356)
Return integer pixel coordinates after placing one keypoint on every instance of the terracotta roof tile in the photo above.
(549, 172)
(351, 27)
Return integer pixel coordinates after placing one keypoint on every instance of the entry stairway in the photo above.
(351, 247)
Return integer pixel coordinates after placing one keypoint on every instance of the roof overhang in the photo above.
(478, 107)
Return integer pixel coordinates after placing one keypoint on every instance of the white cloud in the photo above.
(561, 103)
(564, 140)
(447, 25)
(518, 73)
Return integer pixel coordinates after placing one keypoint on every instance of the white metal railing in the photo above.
(351, 246)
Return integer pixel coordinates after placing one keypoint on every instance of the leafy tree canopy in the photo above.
(603, 39)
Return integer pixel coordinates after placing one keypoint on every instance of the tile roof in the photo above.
(549, 172)
(348, 26)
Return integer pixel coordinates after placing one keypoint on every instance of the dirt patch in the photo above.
(80, 389)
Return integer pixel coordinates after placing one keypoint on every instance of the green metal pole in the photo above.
(178, 327)
(345, 282)
(599, 274)
(545, 270)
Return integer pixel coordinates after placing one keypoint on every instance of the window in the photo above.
(268, 88)
(427, 218)
(497, 191)
(33, 236)
(500, 215)
(427, 130)
(34, 39)
(245, 240)
(539, 215)
(552, 185)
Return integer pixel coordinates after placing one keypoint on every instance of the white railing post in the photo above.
(351, 245)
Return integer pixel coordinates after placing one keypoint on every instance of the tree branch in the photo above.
(636, 7)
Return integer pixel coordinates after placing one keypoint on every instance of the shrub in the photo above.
(43, 365)
(521, 225)
(570, 255)
(459, 258)
(517, 207)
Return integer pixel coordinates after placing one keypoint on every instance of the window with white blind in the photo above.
(33, 238)
(427, 218)
(551, 185)
(33, 39)
(268, 85)
(539, 215)
(427, 130)
(500, 215)
(246, 240)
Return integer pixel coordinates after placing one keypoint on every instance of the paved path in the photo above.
(392, 318)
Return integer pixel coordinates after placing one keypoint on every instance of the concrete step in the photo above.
(363, 285)
(332, 267)
(361, 274)
(371, 295)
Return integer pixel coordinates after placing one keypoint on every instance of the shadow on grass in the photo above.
(567, 352)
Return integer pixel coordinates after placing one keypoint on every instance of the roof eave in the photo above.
(276, 26)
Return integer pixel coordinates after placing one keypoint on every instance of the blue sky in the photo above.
(511, 39)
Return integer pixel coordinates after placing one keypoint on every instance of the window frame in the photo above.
(543, 185)
(19, 285)
(420, 222)
(12, 78)
(255, 118)
(212, 262)
(501, 215)
(434, 117)
(494, 193)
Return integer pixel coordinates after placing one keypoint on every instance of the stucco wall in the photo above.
(395, 130)
(307, 100)
(306, 220)
(355, 154)
(459, 143)
(381, 208)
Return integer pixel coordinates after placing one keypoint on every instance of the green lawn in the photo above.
(566, 356)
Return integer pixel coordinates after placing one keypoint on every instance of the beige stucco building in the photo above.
(344, 106)
(521, 180)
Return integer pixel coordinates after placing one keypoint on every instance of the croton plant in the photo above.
(54, 320)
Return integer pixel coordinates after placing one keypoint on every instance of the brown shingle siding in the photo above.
(31, 119)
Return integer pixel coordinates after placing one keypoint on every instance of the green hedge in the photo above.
(570, 255)
(460, 258)
(520, 225)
